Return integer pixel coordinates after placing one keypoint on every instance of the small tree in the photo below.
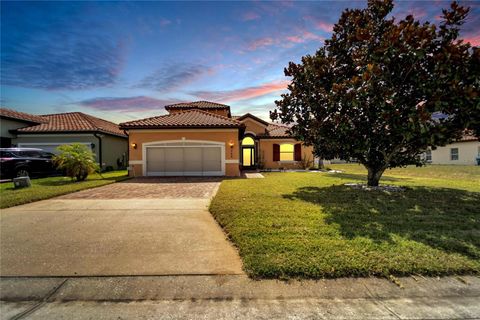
(77, 160)
(370, 92)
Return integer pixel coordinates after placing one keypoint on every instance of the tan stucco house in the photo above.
(464, 151)
(203, 139)
(47, 132)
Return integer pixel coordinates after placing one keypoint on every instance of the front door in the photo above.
(248, 157)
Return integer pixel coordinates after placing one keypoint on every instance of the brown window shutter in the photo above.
(276, 152)
(297, 155)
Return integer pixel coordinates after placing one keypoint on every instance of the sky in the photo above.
(122, 60)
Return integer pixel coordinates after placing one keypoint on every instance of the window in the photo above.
(428, 155)
(453, 154)
(247, 141)
(286, 152)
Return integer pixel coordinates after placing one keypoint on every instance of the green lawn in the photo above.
(50, 187)
(309, 225)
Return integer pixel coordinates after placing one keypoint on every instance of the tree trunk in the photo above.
(374, 175)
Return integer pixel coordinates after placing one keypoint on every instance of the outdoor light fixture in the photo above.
(231, 143)
(134, 145)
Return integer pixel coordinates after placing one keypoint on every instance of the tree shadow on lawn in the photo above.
(446, 219)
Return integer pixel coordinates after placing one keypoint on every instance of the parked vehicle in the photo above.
(19, 162)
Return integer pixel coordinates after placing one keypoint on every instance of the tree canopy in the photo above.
(370, 92)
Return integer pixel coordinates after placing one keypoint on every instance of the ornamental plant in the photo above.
(76, 160)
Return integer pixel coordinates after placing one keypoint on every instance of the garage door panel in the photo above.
(193, 160)
(156, 160)
(212, 159)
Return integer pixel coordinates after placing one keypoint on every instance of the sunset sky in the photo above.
(126, 60)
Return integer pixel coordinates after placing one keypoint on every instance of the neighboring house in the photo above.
(11, 120)
(202, 138)
(464, 151)
(47, 132)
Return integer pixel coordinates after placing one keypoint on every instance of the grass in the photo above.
(45, 188)
(309, 225)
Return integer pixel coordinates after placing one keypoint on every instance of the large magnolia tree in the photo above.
(369, 93)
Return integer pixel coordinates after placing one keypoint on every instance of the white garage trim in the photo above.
(185, 144)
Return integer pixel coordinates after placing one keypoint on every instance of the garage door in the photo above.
(188, 159)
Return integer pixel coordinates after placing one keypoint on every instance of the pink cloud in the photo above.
(324, 26)
(249, 16)
(473, 39)
(261, 42)
(243, 93)
(304, 37)
(320, 24)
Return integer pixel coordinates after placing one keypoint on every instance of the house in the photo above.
(464, 151)
(47, 132)
(203, 139)
(11, 120)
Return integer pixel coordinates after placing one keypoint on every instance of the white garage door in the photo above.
(185, 159)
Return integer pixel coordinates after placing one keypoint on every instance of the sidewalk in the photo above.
(238, 297)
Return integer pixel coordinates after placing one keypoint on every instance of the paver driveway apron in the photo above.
(149, 226)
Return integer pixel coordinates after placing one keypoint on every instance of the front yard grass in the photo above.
(310, 225)
(45, 188)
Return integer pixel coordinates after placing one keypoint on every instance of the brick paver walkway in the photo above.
(151, 188)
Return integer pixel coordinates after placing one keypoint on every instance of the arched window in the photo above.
(247, 141)
(286, 152)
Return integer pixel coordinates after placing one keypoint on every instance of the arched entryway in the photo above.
(249, 152)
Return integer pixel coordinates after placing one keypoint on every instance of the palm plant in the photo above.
(76, 160)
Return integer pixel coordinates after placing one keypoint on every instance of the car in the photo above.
(19, 162)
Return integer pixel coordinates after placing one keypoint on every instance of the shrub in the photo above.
(305, 163)
(76, 160)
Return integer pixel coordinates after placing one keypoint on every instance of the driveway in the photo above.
(137, 227)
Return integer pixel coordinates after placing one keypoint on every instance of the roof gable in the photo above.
(251, 116)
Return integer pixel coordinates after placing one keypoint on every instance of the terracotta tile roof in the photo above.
(17, 115)
(198, 105)
(192, 118)
(277, 131)
(74, 122)
(468, 136)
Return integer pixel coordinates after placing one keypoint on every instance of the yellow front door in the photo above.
(247, 157)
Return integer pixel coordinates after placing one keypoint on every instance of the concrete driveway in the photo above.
(137, 227)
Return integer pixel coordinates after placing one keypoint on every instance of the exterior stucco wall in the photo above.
(265, 151)
(6, 125)
(253, 126)
(215, 135)
(114, 148)
(467, 152)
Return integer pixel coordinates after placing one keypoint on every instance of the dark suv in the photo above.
(18, 162)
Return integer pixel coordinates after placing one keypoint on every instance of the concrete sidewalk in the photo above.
(238, 297)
